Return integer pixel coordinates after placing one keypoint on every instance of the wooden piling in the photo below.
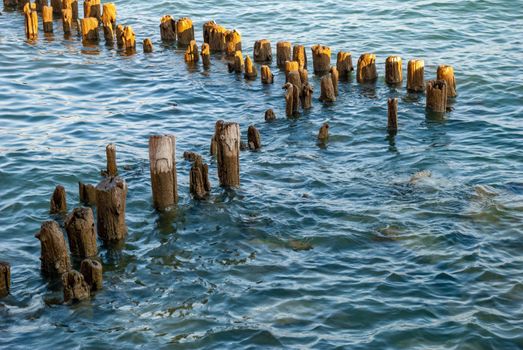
(73, 5)
(253, 138)
(129, 39)
(67, 20)
(283, 53)
(12, 4)
(367, 68)
(415, 76)
(47, 19)
(110, 153)
(81, 234)
(87, 194)
(147, 45)
(184, 31)
(214, 140)
(191, 53)
(299, 55)
(109, 22)
(228, 155)
(323, 134)
(291, 66)
(168, 29)
(266, 76)
(54, 258)
(447, 73)
(90, 30)
(335, 77)
(233, 42)
(22, 3)
(291, 99)
(92, 270)
(56, 5)
(304, 76)
(250, 70)
(199, 184)
(393, 70)
(119, 35)
(31, 21)
(392, 116)
(294, 78)
(270, 115)
(306, 96)
(5, 278)
(262, 51)
(327, 89)
(111, 195)
(321, 59)
(75, 287)
(437, 96)
(214, 35)
(92, 9)
(58, 201)
(206, 55)
(237, 66)
(162, 163)
(344, 64)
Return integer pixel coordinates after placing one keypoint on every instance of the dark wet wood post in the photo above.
(90, 30)
(109, 21)
(73, 6)
(266, 76)
(75, 287)
(47, 19)
(327, 89)
(81, 234)
(184, 31)
(321, 59)
(87, 193)
(367, 68)
(250, 70)
(67, 20)
(437, 96)
(199, 184)
(447, 73)
(269, 115)
(335, 76)
(191, 53)
(253, 138)
(262, 51)
(323, 134)
(162, 163)
(92, 9)
(12, 4)
(129, 39)
(54, 258)
(291, 99)
(392, 116)
(5, 278)
(344, 64)
(393, 70)
(56, 5)
(31, 20)
(92, 270)
(306, 96)
(168, 29)
(147, 45)
(228, 155)
(304, 76)
(206, 55)
(294, 78)
(214, 140)
(22, 3)
(283, 53)
(119, 35)
(110, 152)
(58, 200)
(299, 55)
(233, 42)
(111, 195)
(214, 35)
(415, 76)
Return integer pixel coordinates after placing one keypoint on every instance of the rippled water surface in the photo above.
(321, 247)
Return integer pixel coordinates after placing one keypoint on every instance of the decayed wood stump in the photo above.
(437, 96)
(214, 140)
(266, 76)
(214, 35)
(294, 78)
(31, 20)
(54, 258)
(321, 59)
(304, 76)
(344, 64)
(291, 99)
(168, 28)
(392, 115)
(57, 6)
(323, 134)
(250, 70)
(119, 35)
(110, 152)
(291, 66)
(269, 115)
(47, 19)
(306, 96)
(228, 155)
(92, 270)
(5, 278)
(415, 76)
(283, 53)
(393, 70)
(87, 194)
(191, 54)
(447, 73)
(262, 51)
(58, 200)
(237, 66)
(184, 31)
(253, 138)
(128, 39)
(67, 20)
(327, 89)
(206, 55)
(90, 30)
(367, 68)
(233, 42)
(147, 45)
(299, 55)
(199, 184)
(73, 5)
(335, 77)
(162, 162)
(111, 195)
(81, 234)
(109, 14)
(92, 9)
(75, 287)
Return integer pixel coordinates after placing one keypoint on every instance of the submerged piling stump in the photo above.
(75, 287)
(47, 19)
(237, 66)
(392, 116)
(228, 155)
(250, 70)
(81, 234)
(90, 30)
(306, 96)
(214, 140)
(168, 28)
(415, 76)
(233, 42)
(367, 68)
(262, 51)
(323, 134)
(199, 184)
(58, 200)
(53, 258)
(283, 53)
(147, 45)
(266, 76)
(269, 115)
(437, 96)
(111, 196)
(327, 89)
(5, 278)
(335, 77)
(344, 64)
(87, 194)
(291, 95)
(92, 270)
(393, 70)
(162, 164)
(191, 53)
(206, 55)
(321, 59)
(253, 138)
(447, 73)
(184, 31)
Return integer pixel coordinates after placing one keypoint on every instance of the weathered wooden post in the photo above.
(233, 42)
(262, 51)
(119, 35)
(335, 77)
(90, 30)
(54, 258)
(184, 31)
(75, 287)
(321, 59)
(92, 9)
(92, 270)
(31, 21)
(323, 134)
(253, 138)
(299, 55)
(304, 76)
(206, 55)
(111, 195)
(87, 194)
(71, 5)
(58, 200)
(162, 162)
(214, 140)
(228, 155)
(214, 35)
(415, 76)
(5, 278)
(237, 66)
(306, 96)
(392, 116)
(129, 39)
(81, 234)
(147, 45)
(109, 21)
(191, 53)
(344, 64)
(269, 115)
(290, 66)
(283, 53)
(47, 19)
(22, 3)
(327, 89)
(393, 70)
(56, 5)
(110, 152)
(199, 184)
(67, 20)
(266, 76)
(294, 78)
(367, 68)
(168, 28)
(447, 73)
(437, 96)
(250, 70)
(291, 97)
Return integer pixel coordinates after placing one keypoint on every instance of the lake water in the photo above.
(331, 247)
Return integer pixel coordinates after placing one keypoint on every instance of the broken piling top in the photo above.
(266, 76)
(393, 70)
(344, 64)
(58, 201)
(262, 51)
(147, 45)
(31, 20)
(109, 15)
(238, 62)
(447, 73)
(283, 52)
(228, 155)
(184, 31)
(437, 96)
(111, 196)
(92, 9)
(90, 30)
(54, 258)
(129, 39)
(299, 55)
(367, 68)
(233, 42)
(250, 70)
(162, 165)
(81, 233)
(206, 54)
(321, 59)
(323, 134)
(214, 35)
(167, 28)
(415, 76)
(191, 54)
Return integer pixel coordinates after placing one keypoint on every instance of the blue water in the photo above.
(335, 247)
